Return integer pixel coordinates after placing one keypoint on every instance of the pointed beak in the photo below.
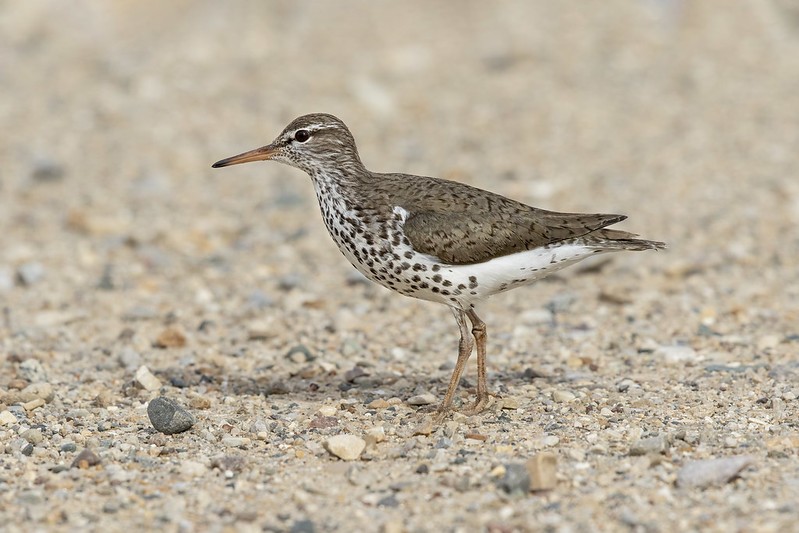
(259, 154)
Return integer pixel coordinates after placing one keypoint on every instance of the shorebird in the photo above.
(435, 239)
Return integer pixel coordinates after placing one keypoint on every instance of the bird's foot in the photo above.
(482, 403)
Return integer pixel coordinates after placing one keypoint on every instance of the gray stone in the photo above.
(422, 399)
(516, 479)
(168, 416)
(656, 444)
(709, 472)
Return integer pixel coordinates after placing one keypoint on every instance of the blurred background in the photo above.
(684, 115)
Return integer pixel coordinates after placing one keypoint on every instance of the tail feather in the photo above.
(614, 239)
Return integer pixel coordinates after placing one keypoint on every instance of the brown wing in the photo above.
(469, 237)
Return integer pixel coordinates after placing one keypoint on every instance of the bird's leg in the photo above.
(479, 332)
(465, 346)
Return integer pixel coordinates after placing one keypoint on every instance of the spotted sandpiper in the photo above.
(435, 239)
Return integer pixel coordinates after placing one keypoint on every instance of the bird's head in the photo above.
(314, 143)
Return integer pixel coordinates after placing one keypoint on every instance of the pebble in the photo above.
(656, 444)
(422, 399)
(328, 410)
(516, 479)
(170, 338)
(260, 330)
(33, 404)
(375, 435)
(542, 469)
(32, 370)
(168, 416)
(510, 403)
(379, 403)
(563, 396)
(347, 447)
(300, 354)
(68, 446)
(33, 435)
(85, 459)
(709, 472)
(30, 273)
(7, 418)
(236, 442)
(675, 353)
(41, 390)
(46, 170)
(550, 440)
(146, 379)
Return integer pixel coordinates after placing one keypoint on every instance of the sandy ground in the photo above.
(121, 249)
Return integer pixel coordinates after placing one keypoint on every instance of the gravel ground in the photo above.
(645, 392)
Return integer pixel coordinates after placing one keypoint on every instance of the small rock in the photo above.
(542, 469)
(422, 399)
(32, 370)
(170, 338)
(425, 427)
(676, 353)
(516, 479)
(7, 418)
(708, 472)
(375, 435)
(510, 403)
(33, 435)
(200, 402)
(30, 273)
(626, 384)
(146, 379)
(236, 442)
(300, 354)
(85, 459)
(104, 398)
(260, 330)
(43, 391)
(346, 447)
(33, 404)
(68, 446)
(656, 444)
(168, 416)
(550, 440)
(563, 396)
(328, 410)
(323, 422)
(379, 403)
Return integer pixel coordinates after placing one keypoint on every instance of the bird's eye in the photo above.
(302, 136)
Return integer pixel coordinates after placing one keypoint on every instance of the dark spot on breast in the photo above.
(408, 254)
(447, 283)
(423, 285)
(461, 286)
(437, 277)
(435, 289)
(436, 268)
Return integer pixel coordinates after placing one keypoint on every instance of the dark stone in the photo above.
(169, 417)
